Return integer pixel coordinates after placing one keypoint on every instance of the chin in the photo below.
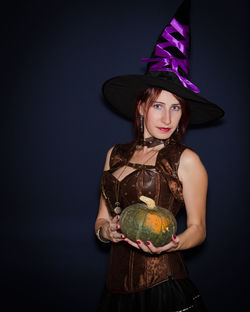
(163, 136)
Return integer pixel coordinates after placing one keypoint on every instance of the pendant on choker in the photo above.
(151, 142)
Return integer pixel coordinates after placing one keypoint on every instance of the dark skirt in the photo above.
(169, 296)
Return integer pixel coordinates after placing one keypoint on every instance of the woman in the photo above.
(163, 113)
(142, 277)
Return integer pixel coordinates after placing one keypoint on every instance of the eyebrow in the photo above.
(165, 103)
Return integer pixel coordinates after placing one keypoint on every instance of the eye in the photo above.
(157, 106)
(176, 107)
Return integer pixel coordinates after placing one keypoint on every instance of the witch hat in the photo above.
(167, 69)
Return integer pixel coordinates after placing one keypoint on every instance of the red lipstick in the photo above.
(164, 129)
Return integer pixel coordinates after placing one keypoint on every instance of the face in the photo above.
(162, 116)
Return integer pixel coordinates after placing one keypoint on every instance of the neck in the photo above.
(151, 142)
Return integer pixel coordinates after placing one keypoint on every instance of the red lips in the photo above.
(164, 129)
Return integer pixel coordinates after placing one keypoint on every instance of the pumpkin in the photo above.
(148, 222)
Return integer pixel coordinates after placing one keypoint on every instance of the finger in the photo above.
(170, 245)
(117, 235)
(115, 219)
(114, 227)
(173, 243)
(158, 250)
(143, 247)
(175, 239)
(114, 224)
(153, 249)
(130, 242)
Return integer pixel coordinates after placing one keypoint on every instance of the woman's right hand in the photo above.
(111, 230)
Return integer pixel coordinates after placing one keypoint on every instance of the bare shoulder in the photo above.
(106, 166)
(110, 151)
(190, 164)
(189, 158)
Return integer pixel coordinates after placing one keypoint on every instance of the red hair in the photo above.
(149, 96)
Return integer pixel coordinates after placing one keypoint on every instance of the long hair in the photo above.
(149, 96)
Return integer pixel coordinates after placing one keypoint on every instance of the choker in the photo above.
(151, 142)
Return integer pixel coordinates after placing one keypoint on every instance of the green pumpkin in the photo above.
(147, 222)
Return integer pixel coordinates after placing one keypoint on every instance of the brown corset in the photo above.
(132, 270)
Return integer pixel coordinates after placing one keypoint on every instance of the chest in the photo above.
(156, 178)
(147, 181)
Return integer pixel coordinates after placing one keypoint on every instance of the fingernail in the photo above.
(174, 237)
(147, 242)
(125, 240)
(118, 226)
(122, 236)
(138, 242)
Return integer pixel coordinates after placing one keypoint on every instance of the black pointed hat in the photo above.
(167, 69)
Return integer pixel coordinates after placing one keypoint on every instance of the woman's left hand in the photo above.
(150, 248)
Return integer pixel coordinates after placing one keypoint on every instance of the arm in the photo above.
(105, 226)
(194, 179)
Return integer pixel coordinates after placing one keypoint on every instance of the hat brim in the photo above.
(121, 93)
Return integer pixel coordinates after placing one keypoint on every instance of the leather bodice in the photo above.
(132, 270)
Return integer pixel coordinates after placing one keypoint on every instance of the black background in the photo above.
(56, 132)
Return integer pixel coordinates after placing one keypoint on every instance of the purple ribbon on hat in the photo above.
(167, 59)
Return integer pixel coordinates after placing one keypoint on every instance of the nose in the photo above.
(166, 117)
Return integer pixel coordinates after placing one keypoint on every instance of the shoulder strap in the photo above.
(120, 155)
(168, 164)
(170, 156)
